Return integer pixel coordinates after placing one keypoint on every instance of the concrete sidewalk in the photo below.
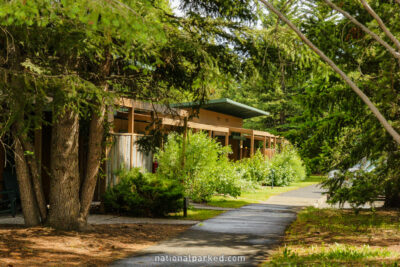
(109, 219)
(306, 196)
(240, 237)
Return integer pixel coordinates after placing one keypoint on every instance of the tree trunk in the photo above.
(64, 183)
(95, 149)
(96, 132)
(27, 195)
(36, 177)
(392, 194)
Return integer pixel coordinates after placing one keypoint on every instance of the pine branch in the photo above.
(353, 86)
(381, 24)
(365, 29)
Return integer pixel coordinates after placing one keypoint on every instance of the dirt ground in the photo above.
(39, 246)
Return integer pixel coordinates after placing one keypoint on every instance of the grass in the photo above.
(332, 237)
(196, 214)
(260, 195)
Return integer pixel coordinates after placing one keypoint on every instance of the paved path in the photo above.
(306, 196)
(245, 232)
(108, 219)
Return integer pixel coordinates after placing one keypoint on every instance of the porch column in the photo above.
(252, 145)
(270, 147)
(131, 130)
(210, 134)
(131, 120)
(162, 135)
(241, 147)
(264, 146)
(227, 139)
(275, 145)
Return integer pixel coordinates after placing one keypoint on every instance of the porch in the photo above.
(135, 119)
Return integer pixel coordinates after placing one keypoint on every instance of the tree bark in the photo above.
(64, 183)
(35, 175)
(27, 195)
(392, 195)
(353, 86)
(95, 149)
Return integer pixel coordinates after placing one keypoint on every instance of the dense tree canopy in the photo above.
(331, 125)
(72, 58)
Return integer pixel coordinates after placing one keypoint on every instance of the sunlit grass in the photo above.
(330, 255)
(260, 195)
(331, 237)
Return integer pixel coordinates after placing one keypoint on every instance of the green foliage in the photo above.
(280, 176)
(254, 169)
(287, 167)
(146, 194)
(357, 188)
(284, 168)
(207, 169)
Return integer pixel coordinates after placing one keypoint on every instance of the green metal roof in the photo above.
(226, 106)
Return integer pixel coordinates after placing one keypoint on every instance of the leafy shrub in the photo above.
(280, 176)
(290, 157)
(254, 169)
(286, 167)
(144, 194)
(207, 169)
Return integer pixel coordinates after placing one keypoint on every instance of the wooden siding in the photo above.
(218, 119)
(119, 157)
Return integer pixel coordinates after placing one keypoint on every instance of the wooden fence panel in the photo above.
(119, 157)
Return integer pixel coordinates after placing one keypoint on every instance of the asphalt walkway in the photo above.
(240, 237)
(107, 219)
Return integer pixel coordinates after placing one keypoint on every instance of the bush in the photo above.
(144, 194)
(283, 169)
(255, 169)
(280, 176)
(207, 169)
(286, 167)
